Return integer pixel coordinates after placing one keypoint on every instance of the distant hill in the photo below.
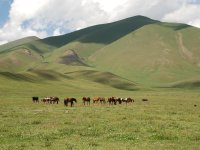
(134, 50)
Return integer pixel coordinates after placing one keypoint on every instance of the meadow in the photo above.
(169, 120)
(135, 57)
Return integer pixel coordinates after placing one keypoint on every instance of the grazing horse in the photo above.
(112, 100)
(69, 100)
(127, 100)
(86, 100)
(35, 99)
(130, 100)
(102, 100)
(46, 100)
(144, 99)
(96, 99)
(54, 100)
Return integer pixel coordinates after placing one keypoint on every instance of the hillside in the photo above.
(119, 54)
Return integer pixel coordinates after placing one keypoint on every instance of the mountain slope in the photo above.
(104, 34)
(154, 53)
(138, 49)
(16, 43)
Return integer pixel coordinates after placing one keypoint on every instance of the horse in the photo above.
(54, 100)
(111, 100)
(69, 100)
(102, 100)
(96, 99)
(46, 100)
(86, 100)
(127, 100)
(144, 99)
(35, 99)
(114, 100)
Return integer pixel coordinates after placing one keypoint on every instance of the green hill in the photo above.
(153, 54)
(11, 45)
(119, 54)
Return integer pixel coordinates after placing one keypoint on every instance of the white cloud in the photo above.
(3, 42)
(21, 11)
(187, 13)
(49, 17)
(57, 32)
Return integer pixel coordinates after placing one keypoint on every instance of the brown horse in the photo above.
(54, 100)
(110, 100)
(46, 100)
(96, 99)
(86, 100)
(69, 100)
(35, 99)
(102, 100)
(144, 99)
(114, 100)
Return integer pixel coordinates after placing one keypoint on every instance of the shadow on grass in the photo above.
(105, 78)
(104, 33)
(18, 77)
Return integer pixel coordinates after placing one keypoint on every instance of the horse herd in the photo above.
(85, 100)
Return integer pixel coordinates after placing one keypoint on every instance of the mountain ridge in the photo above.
(140, 49)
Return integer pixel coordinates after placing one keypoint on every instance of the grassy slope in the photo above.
(13, 44)
(23, 54)
(167, 52)
(159, 62)
(104, 34)
(106, 78)
(19, 60)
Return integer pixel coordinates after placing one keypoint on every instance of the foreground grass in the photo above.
(168, 120)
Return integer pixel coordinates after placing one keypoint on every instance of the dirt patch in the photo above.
(184, 51)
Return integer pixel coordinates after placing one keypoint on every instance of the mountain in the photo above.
(127, 54)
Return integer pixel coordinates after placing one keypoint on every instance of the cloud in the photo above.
(54, 17)
(21, 11)
(3, 42)
(187, 13)
(57, 32)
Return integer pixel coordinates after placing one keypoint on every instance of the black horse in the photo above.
(69, 100)
(86, 100)
(35, 99)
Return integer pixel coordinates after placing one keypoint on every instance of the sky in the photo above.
(44, 18)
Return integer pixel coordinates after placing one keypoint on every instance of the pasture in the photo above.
(169, 120)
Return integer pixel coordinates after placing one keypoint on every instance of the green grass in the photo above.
(142, 50)
(168, 120)
(150, 61)
(16, 43)
(126, 58)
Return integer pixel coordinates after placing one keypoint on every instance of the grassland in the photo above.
(168, 120)
(136, 57)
